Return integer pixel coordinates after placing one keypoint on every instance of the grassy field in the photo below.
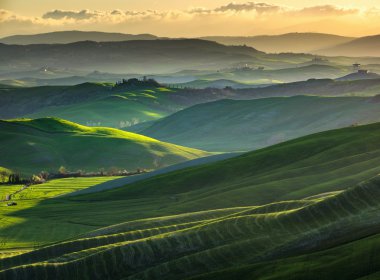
(287, 74)
(29, 146)
(260, 209)
(96, 104)
(101, 104)
(118, 110)
(31, 197)
(238, 125)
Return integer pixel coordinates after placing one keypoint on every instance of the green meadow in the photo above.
(274, 213)
(243, 125)
(30, 198)
(137, 157)
(119, 110)
(29, 146)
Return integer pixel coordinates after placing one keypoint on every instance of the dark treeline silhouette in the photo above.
(135, 83)
(43, 176)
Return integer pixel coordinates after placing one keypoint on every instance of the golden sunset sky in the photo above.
(193, 18)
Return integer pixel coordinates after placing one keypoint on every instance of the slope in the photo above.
(319, 165)
(294, 219)
(30, 146)
(99, 104)
(359, 76)
(64, 37)
(233, 125)
(290, 42)
(141, 56)
(103, 104)
(364, 46)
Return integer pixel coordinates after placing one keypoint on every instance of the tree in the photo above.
(44, 175)
(112, 171)
(62, 170)
(3, 176)
(37, 179)
(14, 179)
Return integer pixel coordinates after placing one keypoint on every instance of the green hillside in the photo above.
(233, 125)
(30, 146)
(118, 110)
(222, 83)
(102, 104)
(253, 215)
(241, 76)
(98, 104)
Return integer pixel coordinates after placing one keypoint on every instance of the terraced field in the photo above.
(201, 242)
(30, 146)
(250, 216)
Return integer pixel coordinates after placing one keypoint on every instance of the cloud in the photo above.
(249, 6)
(247, 18)
(327, 10)
(79, 15)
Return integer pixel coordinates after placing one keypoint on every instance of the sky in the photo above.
(194, 18)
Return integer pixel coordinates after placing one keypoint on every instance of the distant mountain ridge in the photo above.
(64, 37)
(308, 42)
(137, 56)
(359, 76)
(364, 46)
(289, 42)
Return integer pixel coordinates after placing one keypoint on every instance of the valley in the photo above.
(146, 156)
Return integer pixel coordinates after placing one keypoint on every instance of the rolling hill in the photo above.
(103, 104)
(138, 56)
(221, 83)
(290, 42)
(256, 214)
(99, 104)
(359, 76)
(364, 46)
(253, 75)
(238, 125)
(64, 37)
(319, 87)
(30, 146)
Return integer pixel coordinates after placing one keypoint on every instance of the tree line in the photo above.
(63, 172)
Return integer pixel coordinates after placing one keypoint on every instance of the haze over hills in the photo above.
(236, 77)
(64, 37)
(103, 104)
(359, 76)
(260, 155)
(30, 146)
(365, 46)
(139, 56)
(238, 125)
(261, 207)
(290, 42)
